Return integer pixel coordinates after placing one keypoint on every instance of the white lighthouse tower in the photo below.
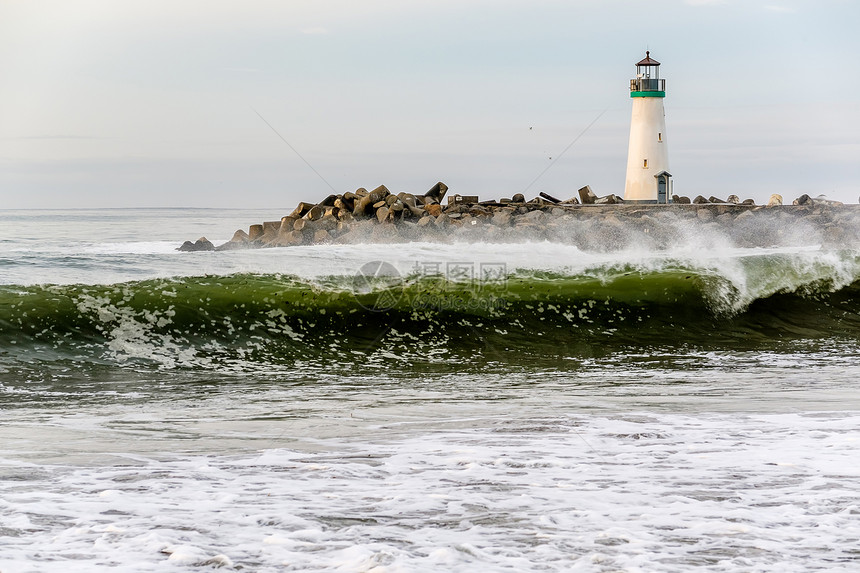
(648, 177)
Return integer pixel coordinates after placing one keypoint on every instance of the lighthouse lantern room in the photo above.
(648, 178)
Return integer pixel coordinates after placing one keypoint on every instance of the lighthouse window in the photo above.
(645, 164)
(659, 137)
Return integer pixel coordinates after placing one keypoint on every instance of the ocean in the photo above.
(424, 406)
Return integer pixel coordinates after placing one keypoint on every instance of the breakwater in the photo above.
(587, 221)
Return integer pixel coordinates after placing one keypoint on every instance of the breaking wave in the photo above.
(244, 320)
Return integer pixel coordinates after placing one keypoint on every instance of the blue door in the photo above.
(661, 190)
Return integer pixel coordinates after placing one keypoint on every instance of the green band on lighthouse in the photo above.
(648, 94)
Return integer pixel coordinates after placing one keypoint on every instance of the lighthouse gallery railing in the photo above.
(647, 85)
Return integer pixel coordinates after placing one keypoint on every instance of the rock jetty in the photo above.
(585, 220)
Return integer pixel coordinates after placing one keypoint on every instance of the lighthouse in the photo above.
(648, 177)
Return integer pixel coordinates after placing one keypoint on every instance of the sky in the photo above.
(264, 103)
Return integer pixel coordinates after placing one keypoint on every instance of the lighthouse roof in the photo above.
(648, 61)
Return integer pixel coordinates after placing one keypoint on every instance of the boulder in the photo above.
(270, 231)
(587, 196)
(286, 224)
(344, 204)
(775, 200)
(705, 215)
(321, 236)
(301, 209)
(384, 233)
(327, 223)
(803, 200)
(725, 218)
(397, 206)
(435, 210)
(733, 199)
(531, 217)
(362, 206)
(518, 198)
(231, 246)
(409, 202)
(255, 232)
(699, 200)
(713, 199)
(462, 199)
(328, 201)
(287, 237)
(502, 218)
(442, 220)
(823, 200)
(294, 238)
(608, 200)
(744, 215)
(201, 244)
(240, 240)
(437, 192)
